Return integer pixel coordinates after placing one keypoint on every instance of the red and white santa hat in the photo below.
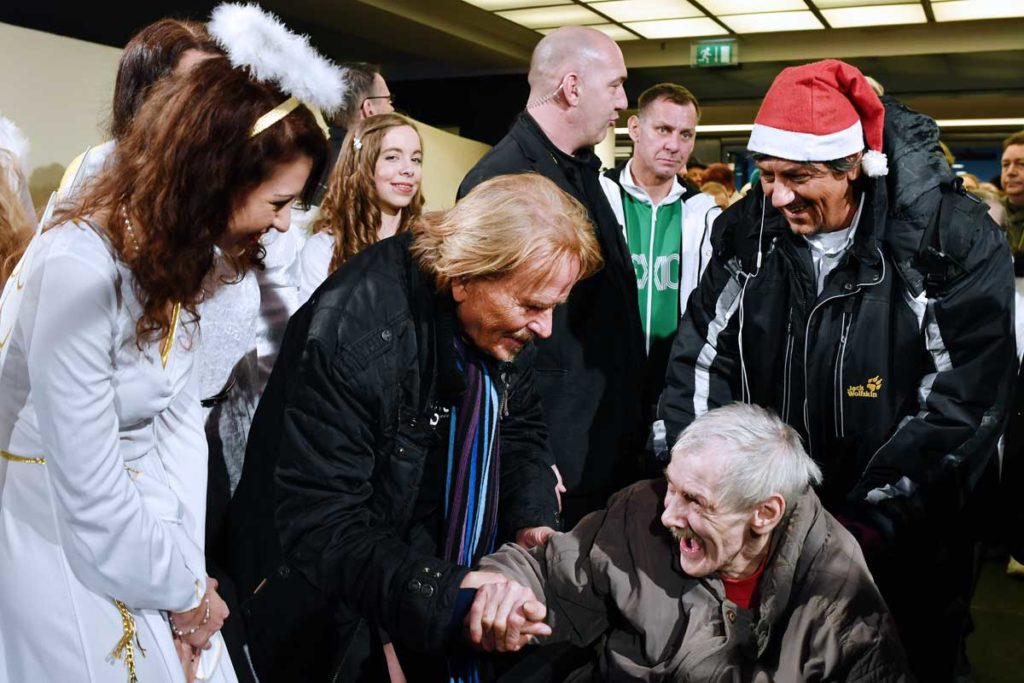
(819, 112)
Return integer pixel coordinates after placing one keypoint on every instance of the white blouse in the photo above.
(103, 474)
(314, 263)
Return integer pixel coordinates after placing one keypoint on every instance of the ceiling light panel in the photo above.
(772, 22)
(829, 4)
(495, 5)
(965, 10)
(720, 7)
(646, 10)
(613, 31)
(889, 15)
(677, 28)
(550, 17)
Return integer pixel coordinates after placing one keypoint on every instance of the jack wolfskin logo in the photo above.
(869, 389)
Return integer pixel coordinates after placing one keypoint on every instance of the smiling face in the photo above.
(397, 172)
(1012, 175)
(812, 198)
(500, 316)
(711, 537)
(268, 206)
(664, 134)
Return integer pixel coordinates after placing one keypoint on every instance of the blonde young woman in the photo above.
(373, 193)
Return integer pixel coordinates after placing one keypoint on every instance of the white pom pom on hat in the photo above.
(819, 112)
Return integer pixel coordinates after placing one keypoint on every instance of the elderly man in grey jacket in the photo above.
(728, 569)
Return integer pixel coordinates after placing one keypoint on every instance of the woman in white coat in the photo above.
(103, 467)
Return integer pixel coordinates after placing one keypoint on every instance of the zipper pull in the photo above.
(503, 402)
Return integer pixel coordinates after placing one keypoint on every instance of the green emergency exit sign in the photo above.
(713, 53)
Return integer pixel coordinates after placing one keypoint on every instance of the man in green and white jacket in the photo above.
(666, 225)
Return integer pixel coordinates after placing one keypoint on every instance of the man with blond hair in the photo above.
(400, 441)
(590, 373)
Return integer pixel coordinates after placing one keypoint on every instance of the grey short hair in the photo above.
(763, 455)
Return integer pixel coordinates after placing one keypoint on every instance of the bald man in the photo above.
(590, 371)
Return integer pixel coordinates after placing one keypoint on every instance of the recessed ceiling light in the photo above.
(646, 10)
(552, 17)
(966, 10)
(848, 17)
(720, 7)
(771, 22)
(677, 28)
(828, 4)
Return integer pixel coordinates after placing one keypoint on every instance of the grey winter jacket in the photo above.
(616, 580)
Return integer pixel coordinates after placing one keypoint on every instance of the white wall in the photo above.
(57, 90)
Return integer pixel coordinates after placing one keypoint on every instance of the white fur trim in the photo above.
(793, 146)
(257, 40)
(875, 164)
(14, 141)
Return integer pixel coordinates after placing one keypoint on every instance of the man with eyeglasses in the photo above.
(367, 94)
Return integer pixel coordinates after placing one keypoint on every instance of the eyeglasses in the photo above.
(390, 98)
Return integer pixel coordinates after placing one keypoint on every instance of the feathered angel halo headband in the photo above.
(257, 41)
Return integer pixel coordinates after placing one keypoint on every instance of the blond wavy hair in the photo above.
(350, 210)
(504, 224)
(15, 224)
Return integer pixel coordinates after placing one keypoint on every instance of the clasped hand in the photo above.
(194, 629)
(504, 616)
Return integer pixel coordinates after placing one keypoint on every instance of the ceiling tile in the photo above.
(720, 7)
(552, 17)
(828, 4)
(772, 22)
(677, 28)
(646, 10)
(848, 17)
(963, 10)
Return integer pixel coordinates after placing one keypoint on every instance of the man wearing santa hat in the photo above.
(868, 300)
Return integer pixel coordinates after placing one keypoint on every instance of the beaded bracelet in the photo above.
(178, 633)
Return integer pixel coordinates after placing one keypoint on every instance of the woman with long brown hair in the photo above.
(103, 467)
(373, 193)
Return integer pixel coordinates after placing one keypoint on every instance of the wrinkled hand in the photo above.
(504, 617)
(186, 621)
(559, 487)
(534, 536)
(480, 578)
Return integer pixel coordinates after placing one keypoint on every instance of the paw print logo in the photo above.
(875, 383)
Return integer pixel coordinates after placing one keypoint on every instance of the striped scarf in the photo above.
(471, 487)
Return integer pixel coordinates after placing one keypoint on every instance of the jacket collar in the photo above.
(797, 540)
(626, 182)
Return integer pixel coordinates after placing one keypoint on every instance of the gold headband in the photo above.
(282, 110)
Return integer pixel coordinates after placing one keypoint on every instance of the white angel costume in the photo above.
(102, 475)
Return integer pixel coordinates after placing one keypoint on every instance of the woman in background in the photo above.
(373, 193)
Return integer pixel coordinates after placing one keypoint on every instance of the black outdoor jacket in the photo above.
(353, 411)
(897, 375)
(590, 372)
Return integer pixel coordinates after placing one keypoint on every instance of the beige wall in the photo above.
(57, 90)
(446, 160)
